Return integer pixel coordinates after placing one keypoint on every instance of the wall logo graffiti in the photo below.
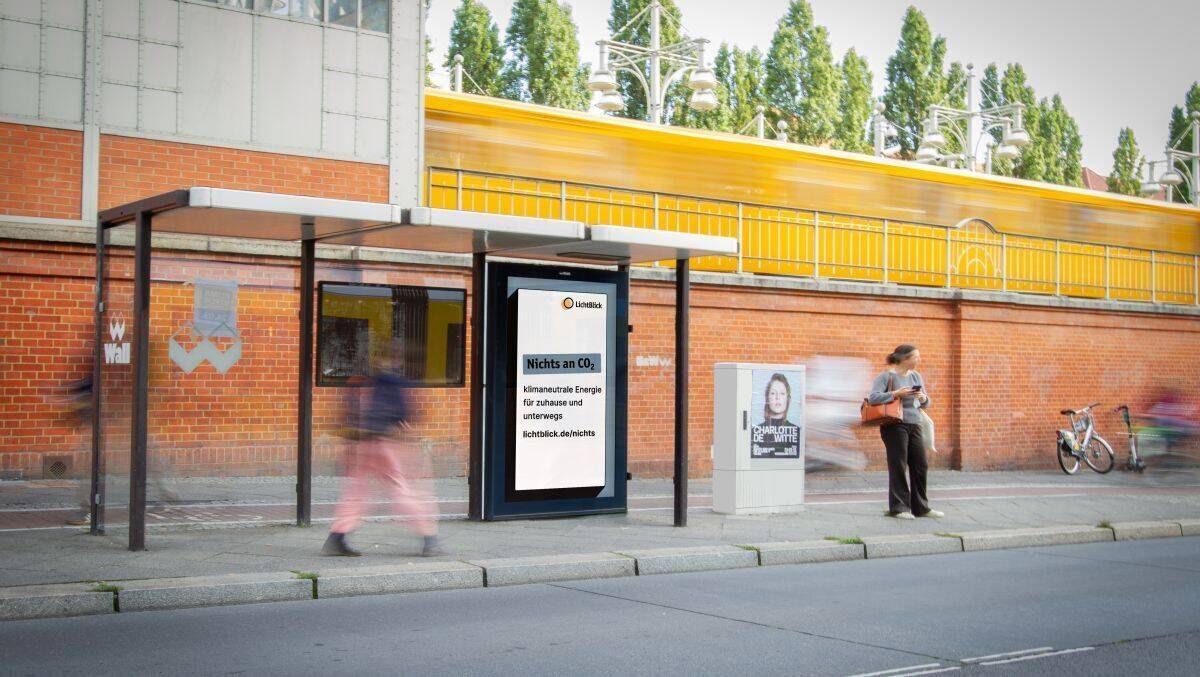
(116, 351)
(212, 334)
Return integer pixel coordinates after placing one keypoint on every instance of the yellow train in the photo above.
(799, 210)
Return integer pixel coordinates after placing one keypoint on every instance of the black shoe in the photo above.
(432, 548)
(336, 545)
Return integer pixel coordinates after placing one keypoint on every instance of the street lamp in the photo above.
(1006, 118)
(683, 57)
(1178, 172)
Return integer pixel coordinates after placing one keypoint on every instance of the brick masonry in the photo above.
(998, 372)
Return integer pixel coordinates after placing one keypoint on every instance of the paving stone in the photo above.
(50, 601)
(1035, 536)
(548, 568)
(676, 560)
(398, 578)
(181, 593)
(1127, 531)
(915, 544)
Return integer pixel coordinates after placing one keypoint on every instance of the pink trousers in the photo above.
(399, 465)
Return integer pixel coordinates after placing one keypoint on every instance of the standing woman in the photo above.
(907, 466)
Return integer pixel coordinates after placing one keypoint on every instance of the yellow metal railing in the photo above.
(814, 243)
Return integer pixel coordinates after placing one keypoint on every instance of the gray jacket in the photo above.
(885, 383)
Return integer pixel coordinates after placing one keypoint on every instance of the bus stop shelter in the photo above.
(202, 211)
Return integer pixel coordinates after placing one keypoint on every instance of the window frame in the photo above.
(320, 381)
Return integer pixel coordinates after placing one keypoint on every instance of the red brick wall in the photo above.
(131, 169)
(998, 373)
(41, 171)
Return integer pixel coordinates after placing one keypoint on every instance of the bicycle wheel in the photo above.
(1067, 461)
(1099, 455)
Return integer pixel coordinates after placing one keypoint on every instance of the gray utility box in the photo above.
(758, 438)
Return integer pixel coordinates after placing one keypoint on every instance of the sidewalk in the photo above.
(839, 505)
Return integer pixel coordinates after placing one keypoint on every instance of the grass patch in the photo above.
(751, 548)
(851, 540)
(105, 587)
(308, 576)
(946, 534)
(1105, 525)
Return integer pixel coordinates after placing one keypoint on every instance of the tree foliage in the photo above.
(854, 104)
(1179, 132)
(543, 65)
(802, 80)
(670, 32)
(1127, 165)
(476, 37)
(1055, 151)
(915, 79)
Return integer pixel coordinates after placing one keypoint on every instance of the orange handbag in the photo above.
(882, 414)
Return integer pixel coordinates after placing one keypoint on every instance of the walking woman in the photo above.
(907, 466)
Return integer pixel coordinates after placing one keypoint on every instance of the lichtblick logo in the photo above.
(567, 303)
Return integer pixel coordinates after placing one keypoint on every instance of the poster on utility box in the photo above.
(562, 345)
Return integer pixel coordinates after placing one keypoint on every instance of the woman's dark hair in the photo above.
(767, 392)
(901, 353)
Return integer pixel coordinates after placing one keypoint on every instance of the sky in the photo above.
(1116, 63)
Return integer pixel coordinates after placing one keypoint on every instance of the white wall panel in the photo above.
(158, 111)
(160, 65)
(20, 45)
(120, 60)
(118, 105)
(339, 133)
(160, 20)
(30, 10)
(340, 49)
(64, 51)
(372, 97)
(371, 140)
(339, 92)
(62, 98)
(63, 13)
(216, 72)
(121, 17)
(287, 104)
(373, 55)
(19, 93)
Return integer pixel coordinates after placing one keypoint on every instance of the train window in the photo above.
(360, 325)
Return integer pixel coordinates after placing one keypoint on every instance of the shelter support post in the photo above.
(141, 373)
(308, 249)
(95, 505)
(682, 284)
(475, 463)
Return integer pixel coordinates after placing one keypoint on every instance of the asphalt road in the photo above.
(1106, 608)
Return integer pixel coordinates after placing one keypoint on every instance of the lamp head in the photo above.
(611, 101)
(601, 81)
(704, 100)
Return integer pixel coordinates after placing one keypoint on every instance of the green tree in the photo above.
(802, 79)
(719, 119)
(1061, 144)
(915, 79)
(623, 11)
(1127, 165)
(543, 65)
(1015, 88)
(990, 95)
(854, 106)
(1179, 132)
(476, 37)
(747, 91)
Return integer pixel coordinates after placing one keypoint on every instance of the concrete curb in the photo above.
(807, 552)
(550, 568)
(916, 544)
(678, 560)
(182, 593)
(1128, 531)
(79, 599)
(52, 601)
(386, 580)
(1033, 537)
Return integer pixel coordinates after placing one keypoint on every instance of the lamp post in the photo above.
(683, 57)
(761, 125)
(1007, 118)
(1178, 172)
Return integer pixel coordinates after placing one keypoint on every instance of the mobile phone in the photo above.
(917, 388)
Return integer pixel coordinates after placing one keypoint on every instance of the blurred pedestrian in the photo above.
(385, 449)
(903, 439)
(80, 404)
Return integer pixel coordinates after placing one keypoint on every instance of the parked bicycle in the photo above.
(1081, 442)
